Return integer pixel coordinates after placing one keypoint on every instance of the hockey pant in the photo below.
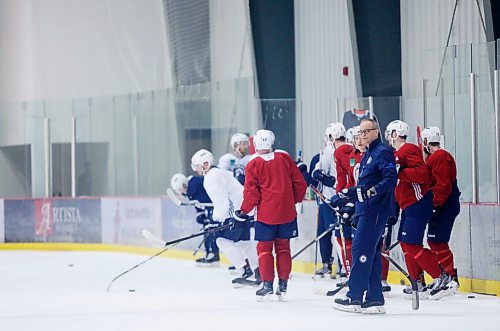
(266, 259)
(238, 252)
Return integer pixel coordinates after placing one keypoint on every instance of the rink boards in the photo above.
(115, 224)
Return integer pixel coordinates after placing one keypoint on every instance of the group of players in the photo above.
(426, 197)
(268, 181)
(254, 194)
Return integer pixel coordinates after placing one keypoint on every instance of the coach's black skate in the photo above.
(265, 292)
(347, 304)
(373, 307)
(282, 287)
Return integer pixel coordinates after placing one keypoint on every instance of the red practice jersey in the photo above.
(443, 170)
(354, 161)
(342, 163)
(273, 184)
(413, 176)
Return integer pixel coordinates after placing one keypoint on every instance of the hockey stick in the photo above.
(175, 199)
(199, 246)
(419, 141)
(415, 301)
(167, 243)
(315, 240)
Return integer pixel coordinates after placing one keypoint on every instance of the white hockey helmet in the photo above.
(263, 139)
(179, 183)
(237, 138)
(201, 157)
(430, 134)
(227, 162)
(402, 129)
(356, 131)
(335, 131)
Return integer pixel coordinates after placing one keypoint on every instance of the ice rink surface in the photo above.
(67, 291)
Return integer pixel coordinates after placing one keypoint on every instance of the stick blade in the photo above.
(173, 197)
(152, 238)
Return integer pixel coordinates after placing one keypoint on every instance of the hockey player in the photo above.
(414, 197)
(375, 187)
(446, 204)
(192, 188)
(228, 162)
(324, 173)
(240, 145)
(337, 136)
(226, 194)
(274, 185)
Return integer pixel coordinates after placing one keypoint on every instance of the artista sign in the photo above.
(66, 215)
(67, 220)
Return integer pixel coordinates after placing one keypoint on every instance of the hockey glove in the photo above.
(202, 218)
(325, 179)
(239, 220)
(336, 201)
(357, 193)
(302, 166)
(347, 213)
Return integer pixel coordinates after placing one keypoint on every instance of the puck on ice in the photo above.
(471, 296)
(70, 265)
(131, 290)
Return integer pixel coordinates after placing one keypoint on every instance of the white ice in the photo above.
(67, 291)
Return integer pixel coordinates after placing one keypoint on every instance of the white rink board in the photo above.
(45, 293)
(123, 220)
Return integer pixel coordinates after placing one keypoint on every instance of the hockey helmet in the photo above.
(263, 139)
(238, 138)
(402, 129)
(200, 158)
(430, 134)
(335, 131)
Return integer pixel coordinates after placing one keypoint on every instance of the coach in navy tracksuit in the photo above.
(373, 196)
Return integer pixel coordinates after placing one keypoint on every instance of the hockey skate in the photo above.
(265, 293)
(281, 291)
(443, 286)
(210, 261)
(347, 304)
(373, 307)
(422, 291)
(385, 287)
(325, 271)
(244, 279)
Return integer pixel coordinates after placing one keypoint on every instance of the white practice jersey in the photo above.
(327, 164)
(243, 161)
(225, 192)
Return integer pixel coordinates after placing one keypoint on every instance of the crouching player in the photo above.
(273, 184)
